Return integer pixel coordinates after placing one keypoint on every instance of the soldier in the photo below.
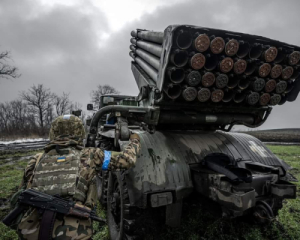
(68, 170)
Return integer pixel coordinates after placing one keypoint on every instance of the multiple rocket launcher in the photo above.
(206, 66)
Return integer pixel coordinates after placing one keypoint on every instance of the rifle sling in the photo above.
(35, 166)
(47, 224)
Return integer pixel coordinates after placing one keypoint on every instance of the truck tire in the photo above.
(102, 184)
(120, 216)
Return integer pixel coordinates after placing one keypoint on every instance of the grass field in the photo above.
(277, 135)
(200, 218)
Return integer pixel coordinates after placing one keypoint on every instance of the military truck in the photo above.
(195, 84)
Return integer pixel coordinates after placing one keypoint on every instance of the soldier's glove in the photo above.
(134, 136)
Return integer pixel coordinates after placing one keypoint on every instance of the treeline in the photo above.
(32, 113)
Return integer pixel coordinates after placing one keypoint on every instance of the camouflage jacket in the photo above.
(68, 227)
(92, 160)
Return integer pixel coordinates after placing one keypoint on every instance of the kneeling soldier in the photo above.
(68, 170)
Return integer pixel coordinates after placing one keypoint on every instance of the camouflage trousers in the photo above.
(68, 228)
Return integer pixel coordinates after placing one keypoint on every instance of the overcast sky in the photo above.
(74, 45)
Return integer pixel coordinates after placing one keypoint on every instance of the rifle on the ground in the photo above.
(50, 203)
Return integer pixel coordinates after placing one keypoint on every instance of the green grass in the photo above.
(200, 219)
(100, 230)
(10, 179)
(17, 154)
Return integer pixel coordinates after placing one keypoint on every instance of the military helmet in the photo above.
(67, 125)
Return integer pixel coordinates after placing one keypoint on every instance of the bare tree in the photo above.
(5, 112)
(102, 90)
(49, 115)
(62, 104)
(7, 70)
(16, 119)
(18, 115)
(75, 106)
(40, 100)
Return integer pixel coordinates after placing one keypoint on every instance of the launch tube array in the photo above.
(205, 66)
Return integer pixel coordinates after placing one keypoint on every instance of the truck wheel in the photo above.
(120, 221)
(102, 184)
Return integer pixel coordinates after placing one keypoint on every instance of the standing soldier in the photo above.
(68, 170)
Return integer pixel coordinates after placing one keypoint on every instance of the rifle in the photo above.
(49, 203)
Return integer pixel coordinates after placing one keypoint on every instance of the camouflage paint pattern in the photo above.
(56, 175)
(67, 125)
(65, 227)
(166, 156)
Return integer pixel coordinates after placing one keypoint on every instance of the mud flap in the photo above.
(173, 214)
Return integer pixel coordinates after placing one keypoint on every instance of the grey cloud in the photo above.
(59, 46)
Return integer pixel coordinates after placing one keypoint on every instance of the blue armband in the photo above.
(107, 157)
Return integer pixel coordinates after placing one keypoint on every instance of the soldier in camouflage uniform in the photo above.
(69, 170)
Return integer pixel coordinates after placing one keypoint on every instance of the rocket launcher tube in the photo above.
(221, 80)
(179, 58)
(204, 94)
(211, 62)
(201, 42)
(270, 85)
(255, 51)
(283, 100)
(226, 64)
(176, 75)
(294, 58)
(240, 66)
(149, 58)
(208, 79)
(217, 95)
(228, 95)
(231, 47)
(280, 55)
(197, 61)
(217, 45)
(193, 78)
(244, 82)
(264, 69)
(189, 93)
(275, 99)
(173, 91)
(281, 86)
(233, 81)
(244, 48)
(290, 86)
(276, 71)
(184, 39)
(151, 36)
(252, 98)
(257, 84)
(153, 48)
(270, 54)
(264, 99)
(287, 72)
(251, 66)
(145, 66)
(239, 96)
